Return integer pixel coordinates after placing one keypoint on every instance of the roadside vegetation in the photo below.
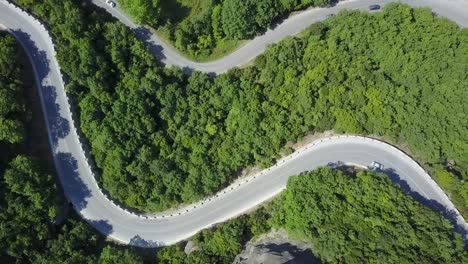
(209, 29)
(30, 227)
(346, 217)
(162, 138)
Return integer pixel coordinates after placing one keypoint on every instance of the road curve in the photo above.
(454, 9)
(81, 188)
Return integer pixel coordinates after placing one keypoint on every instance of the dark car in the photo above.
(374, 7)
(111, 3)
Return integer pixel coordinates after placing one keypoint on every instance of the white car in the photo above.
(377, 166)
(111, 3)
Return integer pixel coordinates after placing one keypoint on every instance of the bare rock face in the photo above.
(190, 247)
(276, 248)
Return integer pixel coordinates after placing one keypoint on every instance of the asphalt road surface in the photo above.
(78, 180)
(454, 9)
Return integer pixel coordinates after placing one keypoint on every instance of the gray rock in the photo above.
(190, 247)
(276, 248)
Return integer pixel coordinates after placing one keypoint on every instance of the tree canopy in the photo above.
(142, 11)
(12, 109)
(364, 218)
(238, 18)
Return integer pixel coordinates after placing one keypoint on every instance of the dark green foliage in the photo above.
(75, 242)
(209, 24)
(23, 177)
(291, 5)
(266, 12)
(12, 109)
(238, 18)
(113, 255)
(364, 218)
(28, 202)
(172, 255)
(142, 11)
(220, 244)
(455, 186)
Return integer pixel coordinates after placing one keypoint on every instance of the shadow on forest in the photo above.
(173, 11)
(140, 242)
(449, 214)
(76, 190)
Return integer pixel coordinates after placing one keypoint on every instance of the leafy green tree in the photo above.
(216, 22)
(142, 11)
(238, 18)
(220, 244)
(172, 255)
(23, 177)
(364, 218)
(266, 12)
(12, 109)
(112, 255)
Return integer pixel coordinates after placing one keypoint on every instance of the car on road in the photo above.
(374, 7)
(329, 15)
(377, 166)
(111, 3)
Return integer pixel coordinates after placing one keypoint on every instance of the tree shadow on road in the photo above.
(144, 34)
(449, 214)
(102, 226)
(140, 242)
(77, 191)
(59, 127)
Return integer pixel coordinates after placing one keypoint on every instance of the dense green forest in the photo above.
(29, 199)
(200, 28)
(346, 217)
(12, 109)
(162, 138)
(364, 218)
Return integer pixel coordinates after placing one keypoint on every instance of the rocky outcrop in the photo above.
(275, 248)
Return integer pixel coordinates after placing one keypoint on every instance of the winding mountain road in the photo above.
(78, 179)
(454, 9)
